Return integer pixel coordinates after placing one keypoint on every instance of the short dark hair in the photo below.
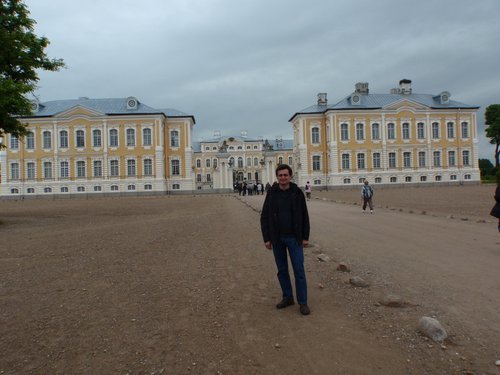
(284, 166)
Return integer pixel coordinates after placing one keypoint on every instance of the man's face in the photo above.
(284, 177)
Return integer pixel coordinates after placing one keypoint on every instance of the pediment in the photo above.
(79, 111)
(405, 104)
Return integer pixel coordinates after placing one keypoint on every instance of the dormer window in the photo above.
(355, 99)
(132, 103)
(444, 97)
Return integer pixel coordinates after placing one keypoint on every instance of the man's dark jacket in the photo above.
(269, 216)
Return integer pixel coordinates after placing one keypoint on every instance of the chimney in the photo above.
(405, 86)
(322, 98)
(361, 88)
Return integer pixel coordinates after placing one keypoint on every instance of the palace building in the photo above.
(221, 162)
(98, 146)
(396, 138)
(122, 146)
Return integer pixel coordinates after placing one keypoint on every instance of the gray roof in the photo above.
(379, 101)
(106, 106)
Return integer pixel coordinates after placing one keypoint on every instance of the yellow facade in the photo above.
(407, 138)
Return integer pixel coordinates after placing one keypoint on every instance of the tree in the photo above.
(21, 54)
(486, 167)
(492, 120)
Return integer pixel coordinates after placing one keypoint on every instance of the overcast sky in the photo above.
(249, 65)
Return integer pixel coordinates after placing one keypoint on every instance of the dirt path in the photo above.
(183, 285)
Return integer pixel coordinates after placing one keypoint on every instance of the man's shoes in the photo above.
(304, 310)
(285, 302)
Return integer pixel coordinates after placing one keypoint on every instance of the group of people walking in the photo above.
(251, 188)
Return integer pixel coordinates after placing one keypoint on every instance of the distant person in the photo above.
(259, 188)
(268, 186)
(284, 222)
(495, 211)
(367, 195)
(308, 190)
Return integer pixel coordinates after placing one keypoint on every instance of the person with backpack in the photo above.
(367, 195)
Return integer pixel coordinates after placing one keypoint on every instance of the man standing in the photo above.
(367, 194)
(284, 223)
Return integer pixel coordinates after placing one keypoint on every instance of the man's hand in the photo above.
(305, 243)
(268, 245)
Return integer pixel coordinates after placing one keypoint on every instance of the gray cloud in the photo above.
(250, 65)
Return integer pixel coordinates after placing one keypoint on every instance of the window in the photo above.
(130, 137)
(146, 137)
(248, 147)
(64, 169)
(467, 177)
(96, 138)
(97, 188)
(30, 191)
(451, 159)
(214, 163)
(423, 178)
(131, 167)
(317, 182)
(465, 158)
(393, 179)
(114, 187)
(64, 189)
(113, 138)
(361, 161)
(392, 160)
(437, 178)
(435, 130)
(249, 162)
(207, 148)
(174, 138)
(131, 187)
(14, 142)
(209, 177)
(47, 169)
(465, 130)
(80, 138)
(207, 163)
(240, 162)
(375, 131)
(14, 191)
(378, 180)
(344, 132)
(198, 177)
(420, 130)
(97, 168)
(407, 159)
(80, 168)
(376, 160)
(450, 130)
(346, 164)
(80, 189)
(30, 170)
(406, 130)
(14, 171)
(437, 158)
(240, 147)
(176, 168)
(148, 167)
(315, 135)
(198, 163)
(63, 139)
(290, 160)
(408, 179)
(176, 186)
(113, 168)
(30, 140)
(391, 131)
(148, 187)
(360, 132)
(316, 163)
(255, 147)
(453, 177)
(421, 159)
(255, 162)
(347, 180)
